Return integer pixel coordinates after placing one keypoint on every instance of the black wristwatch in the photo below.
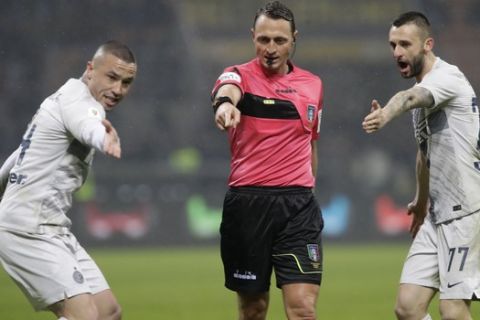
(219, 101)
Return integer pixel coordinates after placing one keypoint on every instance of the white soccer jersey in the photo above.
(448, 134)
(53, 160)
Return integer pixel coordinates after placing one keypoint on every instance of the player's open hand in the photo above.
(111, 143)
(227, 116)
(419, 213)
(376, 119)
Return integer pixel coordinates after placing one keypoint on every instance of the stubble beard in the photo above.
(416, 66)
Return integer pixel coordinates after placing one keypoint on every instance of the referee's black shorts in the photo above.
(264, 228)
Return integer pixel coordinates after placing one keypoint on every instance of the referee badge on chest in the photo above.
(310, 112)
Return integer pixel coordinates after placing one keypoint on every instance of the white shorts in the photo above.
(49, 267)
(446, 257)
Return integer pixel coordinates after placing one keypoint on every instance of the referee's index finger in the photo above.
(236, 116)
(228, 118)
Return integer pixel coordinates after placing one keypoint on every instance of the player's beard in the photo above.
(416, 66)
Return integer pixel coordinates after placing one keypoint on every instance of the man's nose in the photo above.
(397, 52)
(271, 47)
(117, 88)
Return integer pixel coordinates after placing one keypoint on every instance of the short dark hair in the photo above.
(415, 17)
(117, 49)
(276, 10)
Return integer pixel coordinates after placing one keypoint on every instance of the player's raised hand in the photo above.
(375, 106)
(227, 116)
(111, 143)
(375, 120)
(419, 214)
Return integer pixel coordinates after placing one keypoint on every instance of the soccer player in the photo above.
(37, 249)
(445, 253)
(271, 219)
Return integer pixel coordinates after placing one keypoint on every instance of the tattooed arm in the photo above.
(416, 97)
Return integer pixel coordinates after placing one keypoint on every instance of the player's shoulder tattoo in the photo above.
(423, 97)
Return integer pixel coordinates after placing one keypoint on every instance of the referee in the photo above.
(271, 220)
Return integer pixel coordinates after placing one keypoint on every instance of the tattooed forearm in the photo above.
(403, 101)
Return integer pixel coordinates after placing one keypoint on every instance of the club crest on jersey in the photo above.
(310, 112)
(313, 252)
(229, 76)
(78, 276)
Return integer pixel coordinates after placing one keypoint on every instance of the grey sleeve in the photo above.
(84, 122)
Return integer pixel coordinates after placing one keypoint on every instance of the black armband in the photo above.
(219, 101)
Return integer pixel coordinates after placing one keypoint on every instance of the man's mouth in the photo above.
(111, 101)
(270, 60)
(402, 65)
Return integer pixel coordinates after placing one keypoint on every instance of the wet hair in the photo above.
(276, 10)
(416, 18)
(117, 49)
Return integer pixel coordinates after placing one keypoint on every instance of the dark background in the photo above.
(168, 188)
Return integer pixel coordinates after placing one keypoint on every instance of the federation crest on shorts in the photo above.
(313, 252)
(78, 276)
(310, 112)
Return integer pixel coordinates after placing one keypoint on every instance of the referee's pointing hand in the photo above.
(227, 116)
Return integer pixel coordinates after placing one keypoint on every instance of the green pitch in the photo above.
(360, 282)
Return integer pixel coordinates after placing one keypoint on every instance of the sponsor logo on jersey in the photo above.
(268, 101)
(286, 90)
(229, 76)
(313, 252)
(94, 113)
(17, 178)
(247, 275)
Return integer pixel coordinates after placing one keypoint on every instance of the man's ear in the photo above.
(89, 69)
(428, 45)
